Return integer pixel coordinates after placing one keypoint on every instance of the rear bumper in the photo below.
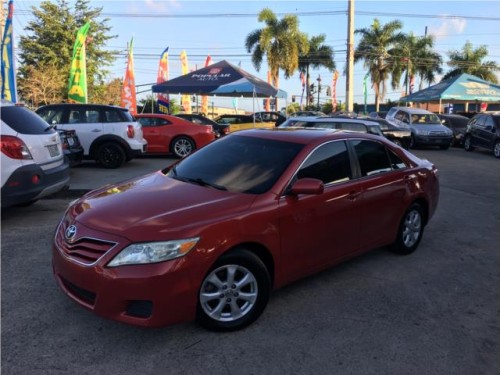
(30, 182)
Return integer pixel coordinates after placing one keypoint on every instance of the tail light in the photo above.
(130, 131)
(15, 148)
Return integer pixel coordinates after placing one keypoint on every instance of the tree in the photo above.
(149, 104)
(280, 40)
(414, 56)
(49, 43)
(376, 49)
(318, 55)
(469, 61)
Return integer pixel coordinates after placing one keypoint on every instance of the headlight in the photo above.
(153, 252)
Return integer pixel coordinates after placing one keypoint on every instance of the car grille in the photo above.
(81, 294)
(53, 150)
(437, 133)
(84, 250)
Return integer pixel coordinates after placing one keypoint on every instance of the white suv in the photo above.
(33, 164)
(108, 134)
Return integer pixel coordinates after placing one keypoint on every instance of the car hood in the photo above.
(153, 205)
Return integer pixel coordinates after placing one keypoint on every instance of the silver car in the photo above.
(426, 127)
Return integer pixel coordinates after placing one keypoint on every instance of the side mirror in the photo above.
(311, 186)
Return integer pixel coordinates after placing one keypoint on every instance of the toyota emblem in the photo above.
(70, 232)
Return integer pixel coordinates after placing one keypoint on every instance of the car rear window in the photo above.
(24, 121)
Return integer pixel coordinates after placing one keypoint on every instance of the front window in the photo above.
(238, 164)
(329, 163)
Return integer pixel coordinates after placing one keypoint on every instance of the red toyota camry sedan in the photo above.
(170, 134)
(210, 237)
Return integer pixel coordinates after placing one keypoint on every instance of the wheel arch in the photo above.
(260, 251)
(422, 202)
(108, 138)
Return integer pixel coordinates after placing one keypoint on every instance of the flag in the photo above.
(365, 88)
(268, 100)
(303, 82)
(128, 90)
(77, 85)
(204, 98)
(334, 90)
(163, 99)
(9, 91)
(186, 99)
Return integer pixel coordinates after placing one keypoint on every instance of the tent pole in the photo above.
(440, 105)
(253, 106)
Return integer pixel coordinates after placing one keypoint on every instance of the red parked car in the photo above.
(211, 236)
(170, 134)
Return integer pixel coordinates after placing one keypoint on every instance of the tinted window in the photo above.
(352, 126)
(372, 157)
(328, 163)
(52, 116)
(238, 163)
(24, 121)
(396, 161)
(496, 120)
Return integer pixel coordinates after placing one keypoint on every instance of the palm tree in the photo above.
(414, 56)
(376, 49)
(280, 40)
(469, 61)
(319, 55)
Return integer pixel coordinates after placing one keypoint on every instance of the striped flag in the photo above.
(186, 99)
(9, 90)
(334, 90)
(163, 99)
(128, 99)
(77, 85)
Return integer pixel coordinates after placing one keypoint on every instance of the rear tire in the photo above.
(410, 232)
(234, 293)
(182, 146)
(111, 155)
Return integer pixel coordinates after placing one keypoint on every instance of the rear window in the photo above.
(24, 121)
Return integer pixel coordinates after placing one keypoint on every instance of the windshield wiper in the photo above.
(200, 182)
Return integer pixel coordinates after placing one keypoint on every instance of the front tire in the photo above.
(182, 146)
(234, 293)
(496, 149)
(413, 142)
(468, 144)
(410, 232)
(111, 155)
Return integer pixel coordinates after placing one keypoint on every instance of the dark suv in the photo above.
(483, 130)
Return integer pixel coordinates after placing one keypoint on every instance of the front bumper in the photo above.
(149, 295)
(433, 140)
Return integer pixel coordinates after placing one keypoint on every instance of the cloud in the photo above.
(448, 27)
(162, 5)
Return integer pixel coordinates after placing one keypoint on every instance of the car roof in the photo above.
(301, 135)
(82, 105)
(414, 110)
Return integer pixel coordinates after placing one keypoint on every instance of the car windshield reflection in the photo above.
(238, 164)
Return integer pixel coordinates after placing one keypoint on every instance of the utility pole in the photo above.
(349, 89)
(319, 88)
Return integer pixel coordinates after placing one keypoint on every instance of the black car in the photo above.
(483, 130)
(265, 116)
(72, 149)
(219, 129)
(457, 124)
(400, 136)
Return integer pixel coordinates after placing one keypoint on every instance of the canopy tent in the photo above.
(464, 88)
(222, 79)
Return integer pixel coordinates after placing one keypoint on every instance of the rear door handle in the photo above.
(353, 195)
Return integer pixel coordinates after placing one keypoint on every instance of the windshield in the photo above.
(425, 119)
(238, 164)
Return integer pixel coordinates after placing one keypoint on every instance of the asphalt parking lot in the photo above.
(436, 311)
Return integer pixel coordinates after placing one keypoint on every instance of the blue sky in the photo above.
(219, 29)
